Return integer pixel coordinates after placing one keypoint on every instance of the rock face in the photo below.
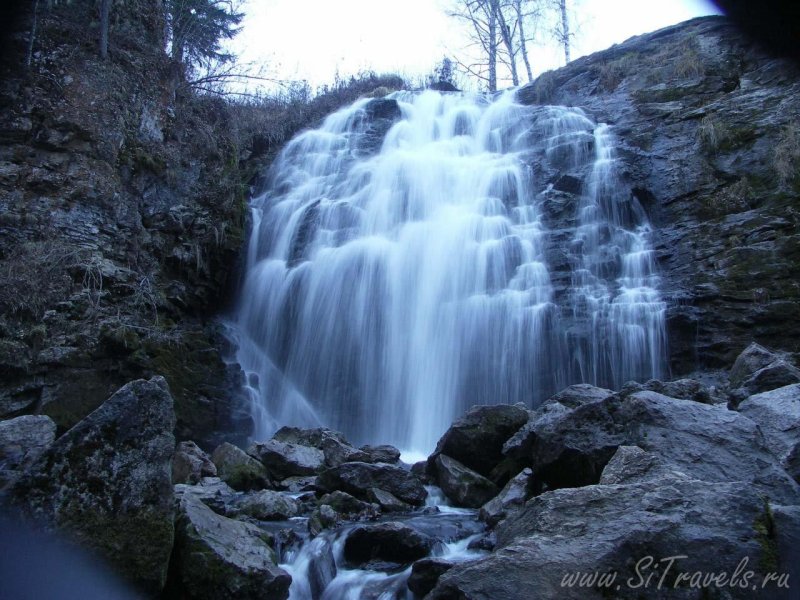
(510, 499)
(217, 557)
(705, 122)
(122, 218)
(358, 478)
(107, 482)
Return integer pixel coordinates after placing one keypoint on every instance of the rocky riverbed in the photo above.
(513, 502)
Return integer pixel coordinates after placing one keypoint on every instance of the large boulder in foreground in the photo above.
(357, 478)
(389, 542)
(216, 557)
(777, 412)
(607, 528)
(107, 483)
(706, 442)
(476, 439)
(462, 485)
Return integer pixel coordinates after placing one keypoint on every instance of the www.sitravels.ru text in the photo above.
(664, 573)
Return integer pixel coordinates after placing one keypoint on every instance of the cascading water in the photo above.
(391, 287)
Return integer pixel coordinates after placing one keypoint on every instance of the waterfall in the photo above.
(417, 255)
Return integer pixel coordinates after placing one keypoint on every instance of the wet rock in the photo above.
(389, 542)
(216, 557)
(335, 447)
(752, 359)
(511, 498)
(388, 502)
(381, 454)
(284, 459)
(485, 542)
(348, 506)
(610, 528)
(777, 413)
(22, 441)
(462, 485)
(322, 518)
(190, 464)
(238, 469)
(107, 483)
(357, 478)
(425, 573)
(321, 568)
(265, 505)
(476, 439)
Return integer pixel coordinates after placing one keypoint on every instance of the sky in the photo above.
(314, 39)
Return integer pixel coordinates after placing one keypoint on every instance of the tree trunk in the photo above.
(105, 7)
(492, 45)
(565, 28)
(29, 56)
(508, 42)
(523, 44)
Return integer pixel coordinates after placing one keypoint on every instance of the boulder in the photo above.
(298, 484)
(776, 374)
(211, 491)
(190, 464)
(388, 502)
(579, 394)
(265, 505)
(321, 566)
(706, 442)
(614, 528)
(462, 485)
(335, 447)
(322, 518)
(510, 499)
(217, 557)
(684, 389)
(785, 522)
(777, 413)
(357, 478)
(22, 441)
(284, 459)
(381, 454)
(238, 469)
(476, 439)
(425, 573)
(348, 506)
(752, 359)
(389, 542)
(107, 483)
(630, 464)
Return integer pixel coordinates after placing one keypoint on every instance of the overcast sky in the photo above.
(312, 39)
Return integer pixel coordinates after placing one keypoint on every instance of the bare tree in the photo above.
(481, 19)
(563, 34)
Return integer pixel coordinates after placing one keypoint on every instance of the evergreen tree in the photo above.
(198, 28)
